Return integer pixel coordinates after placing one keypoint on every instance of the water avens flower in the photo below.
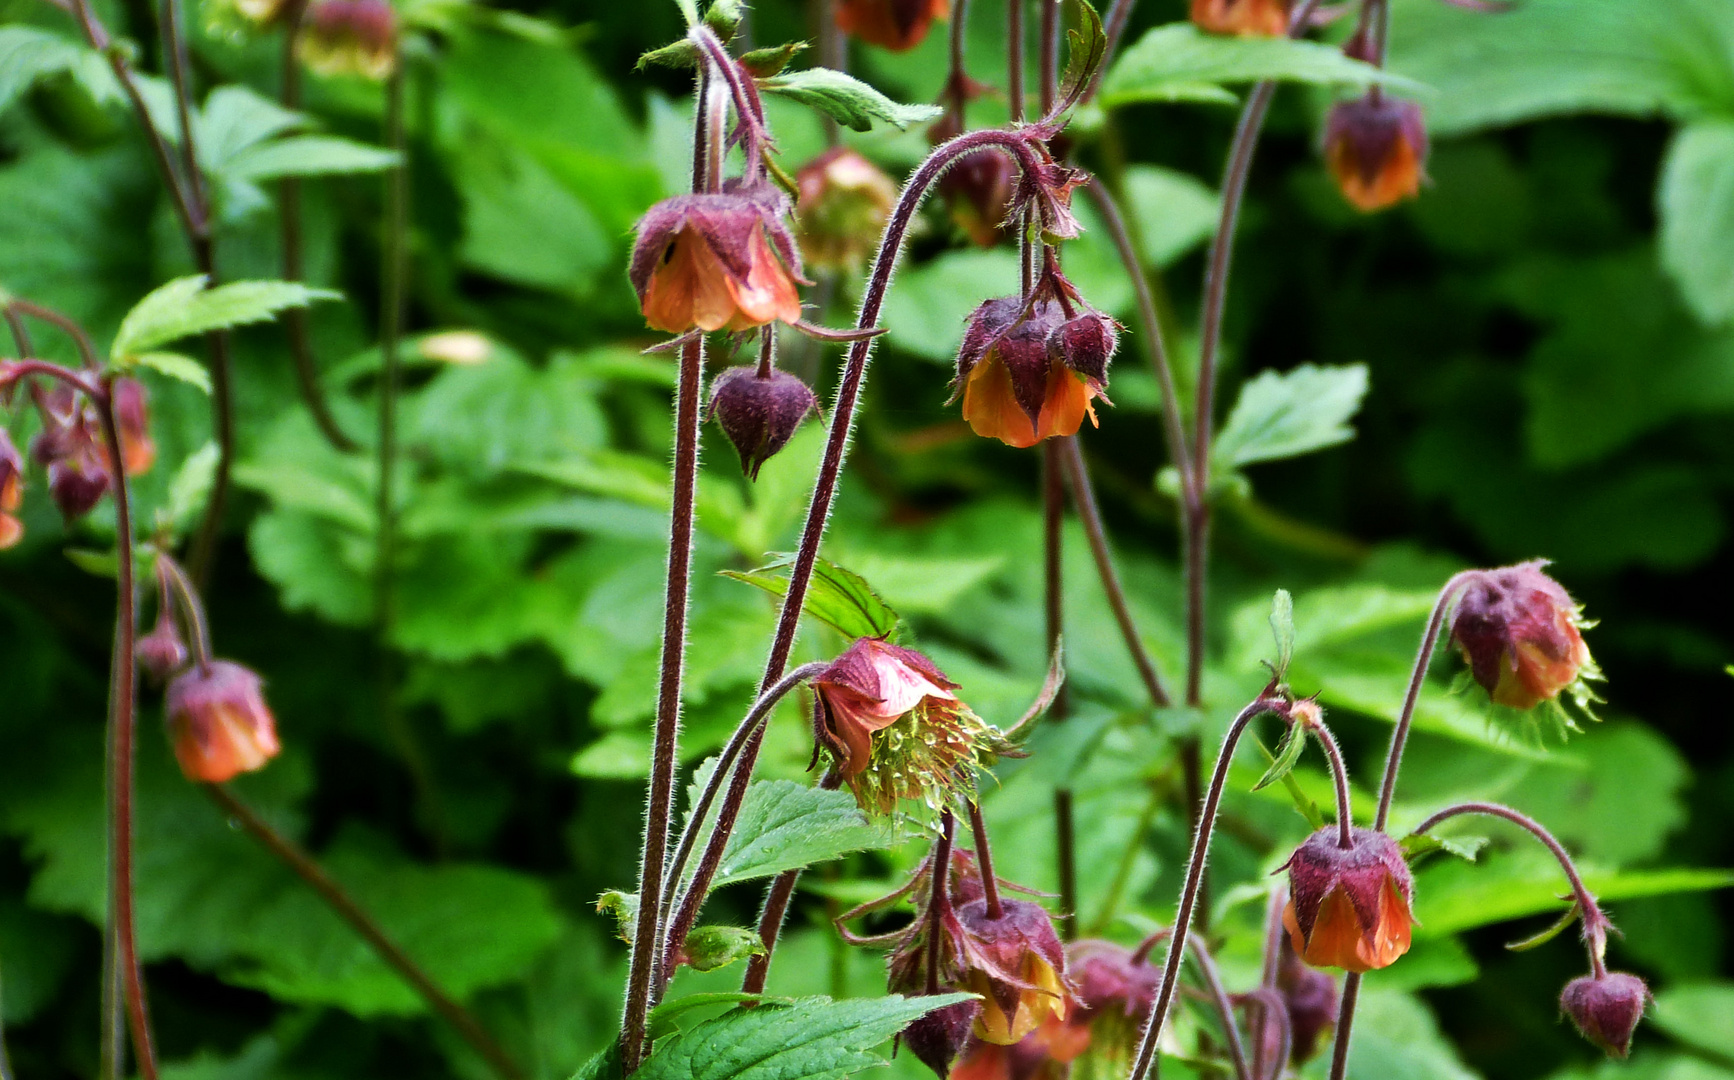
(350, 37)
(759, 412)
(218, 721)
(842, 203)
(716, 261)
(1606, 1008)
(898, 25)
(1376, 149)
(1520, 632)
(1243, 18)
(1349, 907)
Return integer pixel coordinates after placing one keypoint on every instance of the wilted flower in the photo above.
(162, 652)
(1606, 1010)
(716, 261)
(1376, 148)
(898, 25)
(1349, 907)
(1310, 997)
(132, 419)
(350, 37)
(11, 491)
(1026, 380)
(1248, 18)
(219, 722)
(759, 413)
(1017, 964)
(888, 718)
(1519, 631)
(842, 205)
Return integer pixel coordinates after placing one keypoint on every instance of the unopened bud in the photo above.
(1376, 148)
(77, 483)
(219, 722)
(937, 1038)
(1606, 1010)
(841, 209)
(978, 187)
(1520, 632)
(351, 37)
(161, 652)
(759, 414)
(132, 419)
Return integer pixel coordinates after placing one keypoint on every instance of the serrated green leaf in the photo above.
(836, 597)
(1282, 629)
(234, 119)
(174, 365)
(28, 53)
(708, 948)
(190, 488)
(810, 1039)
(783, 824)
(846, 99)
(184, 307)
(1181, 62)
(1286, 414)
(1416, 846)
(1086, 47)
(1696, 200)
(307, 155)
(1304, 805)
(662, 1018)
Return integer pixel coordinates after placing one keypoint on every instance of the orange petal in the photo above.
(1398, 177)
(11, 530)
(992, 408)
(1063, 406)
(768, 293)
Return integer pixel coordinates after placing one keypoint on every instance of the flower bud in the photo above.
(350, 37)
(218, 722)
(706, 261)
(1519, 631)
(161, 652)
(889, 720)
(1025, 381)
(1246, 18)
(1606, 1010)
(978, 187)
(937, 1038)
(1017, 965)
(77, 482)
(11, 491)
(1376, 149)
(132, 420)
(843, 203)
(759, 414)
(1310, 996)
(898, 25)
(1349, 907)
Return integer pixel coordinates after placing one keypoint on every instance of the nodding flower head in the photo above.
(1310, 997)
(1245, 18)
(1376, 149)
(843, 203)
(1349, 907)
(759, 413)
(1606, 1010)
(1030, 378)
(937, 1038)
(1520, 632)
(350, 37)
(717, 261)
(132, 418)
(1018, 966)
(889, 720)
(1115, 989)
(11, 491)
(69, 446)
(219, 722)
(898, 25)
(162, 652)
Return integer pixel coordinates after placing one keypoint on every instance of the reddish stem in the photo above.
(984, 860)
(939, 890)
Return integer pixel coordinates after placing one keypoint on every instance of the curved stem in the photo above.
(191, 608)
(1224, 1007)
(295, 320)
(1340, 774)
(362, 923)
(1595, 924)
(122, 716)
(939, 888)
(1417, 676)
(984, 861)
(1090, 515)
(691, 899)
(1194, 880)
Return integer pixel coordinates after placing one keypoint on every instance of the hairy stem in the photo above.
(362, 923)
(1014, 65)
(1417, 676)
(1345, 1024)
(1090, 515)
(1340, 774)
(1595, 923)
(1195, 868)
(1212, 977)
(957, 83)
(939, 889)
(1048, 54)
(984, 860)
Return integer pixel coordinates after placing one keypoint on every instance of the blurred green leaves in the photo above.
(1179, 62)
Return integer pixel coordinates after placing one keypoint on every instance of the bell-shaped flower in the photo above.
(1520, 632)
(1244, 18)
(1349, 907)
(759, 413)
(218, 721)
(1376, 150)
(898, 25)
(350, 37)
(717, 261)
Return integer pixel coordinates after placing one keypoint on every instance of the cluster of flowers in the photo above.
(70, 446)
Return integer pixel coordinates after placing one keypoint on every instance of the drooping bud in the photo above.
(77, 482)
(1310, 996)
(978, 188)
(1017, 964)
(843, 203)
(11, 492)
(350, 37)
(161, 652)
(1245, 18)
(717, 261)
(70, 447)
(1519, 630)
(1376, 149)
(937, 1038)
(889, 720)
(1606, 1010)
(898, 25)
(1349, 907)
(218, 722)
(132, 419)
(759, 414)
(1114, 989)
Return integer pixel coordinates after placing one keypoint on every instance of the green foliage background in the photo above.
(1549, 372)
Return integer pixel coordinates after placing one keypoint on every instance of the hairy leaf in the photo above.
(174, 365)
(846, 99)
(1283, 415)
(1288, 752)
(810, 1039)
(836, 597)
(1179, 62)
(184, 307)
